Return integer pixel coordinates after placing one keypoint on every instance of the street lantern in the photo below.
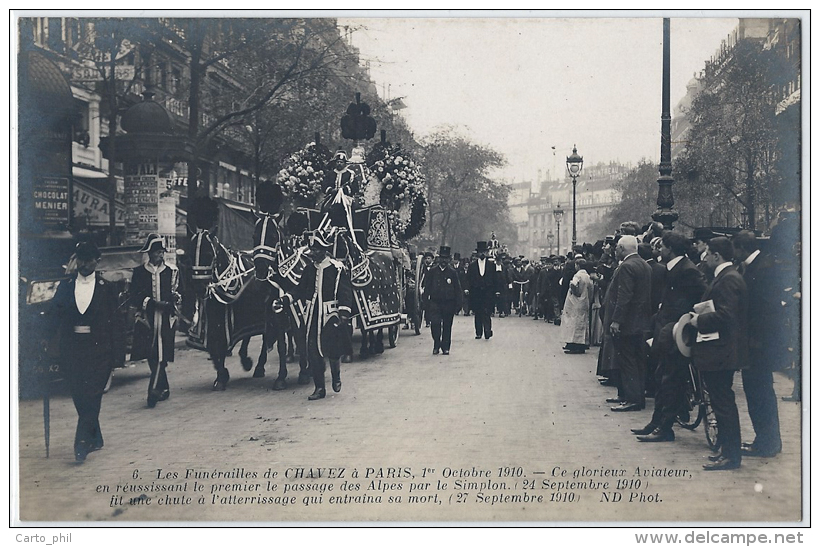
(558, 214)
(574, 165)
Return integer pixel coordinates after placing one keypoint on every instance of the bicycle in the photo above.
(698, 402)
(523, 307)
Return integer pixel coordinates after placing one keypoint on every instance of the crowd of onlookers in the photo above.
(654, 301)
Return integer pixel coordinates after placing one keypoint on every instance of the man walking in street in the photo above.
(483, 291)
(720, 320)
(442, 291)
(764, 317)
(154, 294)
(87, 343)
(626, 317)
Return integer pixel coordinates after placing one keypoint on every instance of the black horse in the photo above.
(278, 264)
(233, 301)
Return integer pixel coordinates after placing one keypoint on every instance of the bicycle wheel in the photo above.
(685, 418)
(710, 424)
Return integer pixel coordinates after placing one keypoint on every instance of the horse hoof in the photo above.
(247, 363)
(219, 385)
(259, 372)
(280, 385)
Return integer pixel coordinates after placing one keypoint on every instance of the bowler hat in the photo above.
(153, 241)
(87, 250)
(702, 234)
(684, 335)
(444, 251)
(456, 256)
(481, 247)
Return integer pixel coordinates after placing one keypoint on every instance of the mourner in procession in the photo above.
(483, 291)
(442, 291)
(87, 342)
(154, 295)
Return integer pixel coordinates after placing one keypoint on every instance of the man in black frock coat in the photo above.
(685, 285)
(87, 339)
(442, 291)
(483, 292)
(627, 313)
(718, 359)
(765, 315)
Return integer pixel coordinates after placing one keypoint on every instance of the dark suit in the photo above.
(685, 285)
(764, 313)
(718, 359)
(88, 346)
(442, 290)
(627, 302)
(482, 295)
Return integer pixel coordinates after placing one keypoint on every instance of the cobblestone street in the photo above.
(507, 429)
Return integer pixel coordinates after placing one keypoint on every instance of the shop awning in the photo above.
(86, 173)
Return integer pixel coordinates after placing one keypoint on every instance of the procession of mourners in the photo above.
(669, 318)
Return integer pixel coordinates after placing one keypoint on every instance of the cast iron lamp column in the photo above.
(574, 165)
(558, 214)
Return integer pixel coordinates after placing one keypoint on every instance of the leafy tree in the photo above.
(464, 202)
(730, 159)
(266, 60)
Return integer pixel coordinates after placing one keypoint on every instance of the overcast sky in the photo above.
(523, 85)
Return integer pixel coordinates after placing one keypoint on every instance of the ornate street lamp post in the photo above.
(550, 237)
(665, 214)
(574, 165)
(558, 214)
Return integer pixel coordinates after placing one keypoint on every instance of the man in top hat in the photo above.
(154, 294)
(483, 290)
(87, 342)
(326, 288)
(442, 291)
(720, 350)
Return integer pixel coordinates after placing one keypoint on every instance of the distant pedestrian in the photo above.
(575, 322)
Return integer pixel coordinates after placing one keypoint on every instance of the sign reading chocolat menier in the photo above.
(51, 201)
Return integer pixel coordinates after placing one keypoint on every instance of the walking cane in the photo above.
(46, 416)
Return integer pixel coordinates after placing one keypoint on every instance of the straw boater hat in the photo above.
(153, 241)
(684, 335)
